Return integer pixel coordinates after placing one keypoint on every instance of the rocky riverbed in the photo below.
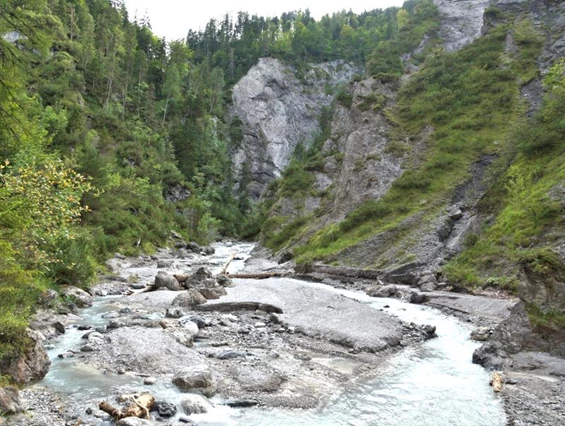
(294, 348)
(279, 343)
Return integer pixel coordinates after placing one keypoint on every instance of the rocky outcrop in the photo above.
(461, 21)
(199, 379)
(517, 335)
(30, 366)
(361, 134)
(279, 109)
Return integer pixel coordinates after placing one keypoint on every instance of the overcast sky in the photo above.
(173, 18)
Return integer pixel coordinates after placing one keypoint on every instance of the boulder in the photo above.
(181, 278)
(383, 291)
(198, 378)
(175, 312)
(164, 263)
(165, 409)
(188, 299)
(195, 404)
(10, 402)
(209, 250)
(213, 293)
(188, 324)
(202, 278)
(427, 278)
(194, 247)
(224, 281)
(80, 297)
(184, 337)
(427, 287)
(164, 280)
(231, 355)
(417, 298)
(31, 365)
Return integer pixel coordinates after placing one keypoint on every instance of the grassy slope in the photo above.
(471, 99)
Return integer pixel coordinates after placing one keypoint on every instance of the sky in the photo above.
(173, 18)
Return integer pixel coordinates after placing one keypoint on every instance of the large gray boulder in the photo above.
(80, 297)
(202, 278)
(383, 291)
(197, 378)
(29, 366)
(164, 280)
(189, 298)
(10, 402)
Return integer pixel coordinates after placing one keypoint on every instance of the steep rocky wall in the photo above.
(461, 21)
(280, 108)
(361, 134)
(357, 164)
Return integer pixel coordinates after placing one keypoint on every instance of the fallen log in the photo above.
(224, 270)
(116, 413)
(238, 306)
(259, 275)
(496, 381)
(140, 406)
(339, 271)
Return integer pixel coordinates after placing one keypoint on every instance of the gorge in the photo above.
(410, 153)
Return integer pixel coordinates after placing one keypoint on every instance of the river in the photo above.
(433, 383)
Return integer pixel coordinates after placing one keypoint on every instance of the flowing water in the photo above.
(433, 383)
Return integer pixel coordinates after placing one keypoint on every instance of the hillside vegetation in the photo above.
(459, 110)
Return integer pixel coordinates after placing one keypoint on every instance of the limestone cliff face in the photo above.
(280, 109)
(360, 133)
(461, 21)
(358, 165)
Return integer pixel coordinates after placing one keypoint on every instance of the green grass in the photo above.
(549, 318)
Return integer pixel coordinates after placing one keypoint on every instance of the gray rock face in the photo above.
(30, 366)
(198, 378)
(10, 402)
(514, 335)
(461, 21)
(367, 170)
(164, 280)
(278, 112)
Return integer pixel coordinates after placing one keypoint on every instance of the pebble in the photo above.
(149, 381)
